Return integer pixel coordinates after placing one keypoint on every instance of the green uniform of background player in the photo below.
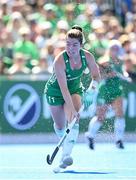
(110, 93)
(111, 87)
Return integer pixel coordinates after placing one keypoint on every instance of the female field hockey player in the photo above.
(110, 93)
(64, 89)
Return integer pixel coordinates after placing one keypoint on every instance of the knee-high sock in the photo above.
(119, 128)
(59, 132)
(70, 140)
(94, 126)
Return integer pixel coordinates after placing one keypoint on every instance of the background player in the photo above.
(110, 94)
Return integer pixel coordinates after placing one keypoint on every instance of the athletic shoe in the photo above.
(90, 141)
(66, 161)
(119, 144)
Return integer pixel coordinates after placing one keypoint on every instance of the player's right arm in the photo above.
(59, 68)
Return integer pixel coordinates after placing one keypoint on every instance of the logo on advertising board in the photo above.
(22, 106)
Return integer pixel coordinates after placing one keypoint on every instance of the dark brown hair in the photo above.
(76, 32)
(77, 27)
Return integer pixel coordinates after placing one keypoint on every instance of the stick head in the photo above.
(48, 159)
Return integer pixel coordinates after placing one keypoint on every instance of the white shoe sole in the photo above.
(67, 161)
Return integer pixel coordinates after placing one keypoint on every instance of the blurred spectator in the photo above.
(5, 11)
(50, 14)
(131, 26)
(6, 49)
(126, 43)
(61, 30)
(62, 26)
(89, 14)
(70, 14)
(115, 29)
(60, 8)
(106, 23)
(84, 18)
(13, 26)
(48, 54)
(130, 67)
(33, 26)
(133, 47)
(18, 66)
(100, 7)
(2, 25)
(27, 47)
(26, 11)
(45, 33)
(100, 44)
(18, 5)
(121, 9)
(59, 47)
(41, 68)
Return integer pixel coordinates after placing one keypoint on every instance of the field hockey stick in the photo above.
(51, 158)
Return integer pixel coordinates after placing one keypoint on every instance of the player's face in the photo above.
(72, 47)
(114, 51)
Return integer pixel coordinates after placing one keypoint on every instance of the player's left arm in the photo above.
(91, 93)
(94, 69)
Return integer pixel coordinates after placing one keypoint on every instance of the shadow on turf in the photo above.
(86, 172)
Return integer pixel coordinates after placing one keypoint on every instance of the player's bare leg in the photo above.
(95, 124)
(66, 159)
(119, 123)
